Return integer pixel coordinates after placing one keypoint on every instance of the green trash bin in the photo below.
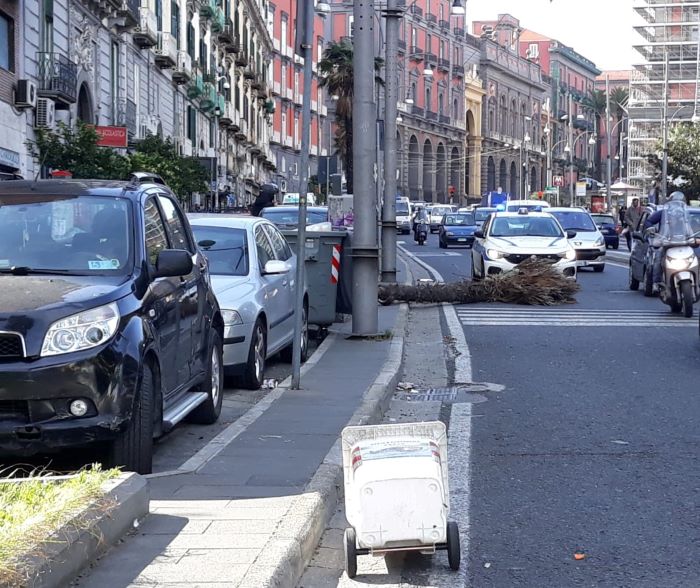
(321, 279)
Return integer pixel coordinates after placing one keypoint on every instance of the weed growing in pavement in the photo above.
(34, 510)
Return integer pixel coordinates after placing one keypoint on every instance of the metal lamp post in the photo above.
(570, 149)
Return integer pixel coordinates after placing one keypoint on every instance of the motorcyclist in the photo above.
(676, 202)
(265, 198)
(421, 216)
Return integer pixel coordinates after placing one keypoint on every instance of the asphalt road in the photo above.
(592, 446)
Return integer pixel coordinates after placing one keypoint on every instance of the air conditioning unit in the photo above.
(25, 94)
(45, 114)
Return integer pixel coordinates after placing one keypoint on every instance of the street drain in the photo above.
(468, 393)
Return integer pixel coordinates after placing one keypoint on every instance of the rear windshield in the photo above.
(575, 220)
(481, 215)
(225, 248)
(291, 216)
(460, 219)
(601, 219)
(80, 235)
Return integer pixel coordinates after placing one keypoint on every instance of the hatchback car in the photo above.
(457, 229)
(436, 213)
(609, 229)
(253, 273)
(109, 330)
(589, 242)
(509, 238)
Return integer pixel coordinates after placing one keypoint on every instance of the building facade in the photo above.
(195, 71)
(665, 78)
(287, 88)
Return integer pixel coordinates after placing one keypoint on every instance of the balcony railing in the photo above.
(431, 18)
(58, 77)
(227, 35)
(417, 110)
(416, 52)
(443, 63)
(207, 8)
(416, 10)
(445, 24)
(402, 45)
(431, 57)
(458, 31)
(218, 21)
(129, 11)
(458, 70)
(444, 119)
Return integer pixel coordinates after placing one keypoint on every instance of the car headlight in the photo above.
(231, 318)
(84, 330)
(450, 234)
(569, 254)
(600, 241)
(495, 254)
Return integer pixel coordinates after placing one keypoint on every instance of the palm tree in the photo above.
(597, 102)
(337, 76)
(619, 97)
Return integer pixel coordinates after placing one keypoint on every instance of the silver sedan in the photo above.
(252, 271)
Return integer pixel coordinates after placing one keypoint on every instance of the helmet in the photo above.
(269, 189)
(676, 196)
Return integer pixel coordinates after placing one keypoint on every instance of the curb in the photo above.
(286, 555)
(65, 558)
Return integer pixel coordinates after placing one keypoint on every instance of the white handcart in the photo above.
(396, 491)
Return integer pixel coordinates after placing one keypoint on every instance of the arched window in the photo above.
(441, 100)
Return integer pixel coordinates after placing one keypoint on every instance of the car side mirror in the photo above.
(275, 267)
(570, 234)
(172, 263)
(479, 234)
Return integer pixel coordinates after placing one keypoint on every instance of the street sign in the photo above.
(558, 181)
(580, 188)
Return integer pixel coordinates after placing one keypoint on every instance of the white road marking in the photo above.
(441, 254)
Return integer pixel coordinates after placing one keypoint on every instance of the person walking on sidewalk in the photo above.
(632, 216)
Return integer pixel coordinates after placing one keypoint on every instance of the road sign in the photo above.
(580, 188)
(558, 181)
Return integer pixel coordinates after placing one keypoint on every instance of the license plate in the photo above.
(462, 240)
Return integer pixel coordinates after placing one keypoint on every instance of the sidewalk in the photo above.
(228, 523)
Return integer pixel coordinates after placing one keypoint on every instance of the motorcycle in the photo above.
(680, 284)
(421, 232)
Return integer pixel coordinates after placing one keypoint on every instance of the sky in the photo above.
(600, 30)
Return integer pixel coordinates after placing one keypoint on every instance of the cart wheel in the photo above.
(454, 554)
(351, 552)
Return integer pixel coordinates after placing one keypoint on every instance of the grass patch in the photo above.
(33, 509)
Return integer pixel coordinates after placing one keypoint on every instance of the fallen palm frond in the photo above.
(532, 282)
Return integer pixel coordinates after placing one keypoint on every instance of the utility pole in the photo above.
(365, 250)
(304, 46)
(609, 138)
(392, 14)
(571, 151)
(664, 161)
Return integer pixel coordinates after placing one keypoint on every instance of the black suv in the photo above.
(109, 329)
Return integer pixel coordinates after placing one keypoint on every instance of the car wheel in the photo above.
(454, 552)
(133, 449)
(616, 246)
(208, 412)
(648, 282)
(598, 268)
(475, 277)
(633, 282)
(350, 552)
(288, 352)
(255, 366)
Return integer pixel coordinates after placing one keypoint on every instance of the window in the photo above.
(47, 28)
(319, 49)
(428, 101)
(203, 55)
(159, 14)
(192, 124)
(414, 37)
(262, 244)
(284, 77)
(296, 82)
(176, 226)
(114, 81)
(226, 249)
(190, 39)
(175, 22)
(442, 49)
(156, 240)
(441, 105)
(428, 44)
(284, 129)
(283, 32)
(279, 243)
(7, 43)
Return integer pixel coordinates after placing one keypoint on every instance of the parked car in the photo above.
(287, 217)
(252, 270)
(110, 332)
(403, 215)
(436, 213)
(457, 229)
(509, 238)
(609, 229)
(589, 241)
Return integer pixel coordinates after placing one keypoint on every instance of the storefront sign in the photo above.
(112, 136)
(9, 158)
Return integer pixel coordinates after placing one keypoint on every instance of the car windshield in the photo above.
(290, 216)
(481, 215)
(225, 248)
(575, 220)
(81, 235)
(440, 210)
(402, 208)
(525, 226)
(603, 219)
(460, 219)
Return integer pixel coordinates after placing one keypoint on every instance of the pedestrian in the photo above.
(632, 216)
(265, 198)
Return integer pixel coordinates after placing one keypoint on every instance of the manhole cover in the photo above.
(451, 395)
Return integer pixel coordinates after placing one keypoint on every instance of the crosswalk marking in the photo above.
(568, 317)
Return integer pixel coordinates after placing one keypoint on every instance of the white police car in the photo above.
(509, 238)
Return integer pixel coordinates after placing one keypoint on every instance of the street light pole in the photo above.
(609, 138)
(305, 44)
(664, 161)
(365, 314)
(392, 15)
(571, 153)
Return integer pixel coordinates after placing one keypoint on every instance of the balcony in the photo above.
(417, 110)
(444, 119)
(207, 8)
(275, 138)
(166, 51)
(208, 100)
(416, 53)
(242, 58)
(227, 114)
(445, 25)
(196, 87)
(226, 35)
(583, 125)
(416, 10)
(276, 88)
(183, 68)
(443, 64)
(128, 12)
(249, 74)
(458, 70)
(402, 45)
(146, 33)
(288, 141)
(218, 21)
(242, 133)
(431, 18)
(431, 57)
(430, 115)
(58, 78)
(287, 94)
(458, 32)
(234, 46)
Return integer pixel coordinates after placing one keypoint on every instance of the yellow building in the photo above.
(473, 95)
